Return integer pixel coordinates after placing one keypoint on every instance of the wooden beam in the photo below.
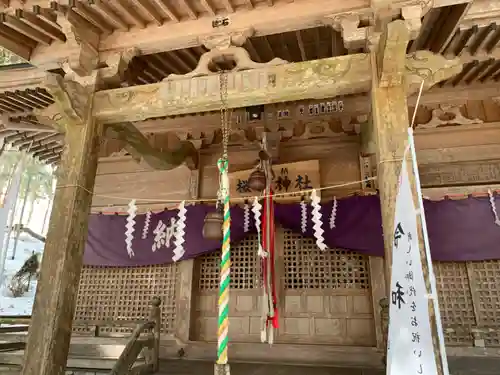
(138, 146)
(305, 80)
(280, 18)
(50, 329)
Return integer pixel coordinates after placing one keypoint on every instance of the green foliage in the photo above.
(8, 58)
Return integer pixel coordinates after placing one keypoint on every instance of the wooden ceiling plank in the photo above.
(178, 60)
(18, 48)
(209, 8)
(263, 20)
(452, 24)
(162, 68)
(189, 10)
(5, 108)
(23, 28)
(254, 55)
(88, 14)
(490, 72)
(300, 43)
(37, 23)
(149, 9)
(130, 13)
(165, 8)
(42, 145)
(229, 6)
(425, 30)
(190, 56)
(109, 14)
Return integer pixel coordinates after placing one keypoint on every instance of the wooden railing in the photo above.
(142, 341)
(145, 339)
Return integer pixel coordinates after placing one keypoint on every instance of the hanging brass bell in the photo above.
(212, 226)
(257, 180)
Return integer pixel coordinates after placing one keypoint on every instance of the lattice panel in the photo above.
(307, 267)
(245, 267)
(111, 293)
(487, 286)
(455, 301)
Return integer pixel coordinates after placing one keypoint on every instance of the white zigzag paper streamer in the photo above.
(129, 232)
(246, 218)
(179, 233)
(303, 216)
(333, 216)
(317, 220)
(256, 209)
(147, 221)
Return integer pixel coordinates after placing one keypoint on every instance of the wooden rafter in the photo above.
(268, 20)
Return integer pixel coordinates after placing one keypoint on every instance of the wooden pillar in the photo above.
(393, 80)
(50, 330)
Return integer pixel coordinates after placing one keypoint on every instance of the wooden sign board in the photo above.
(290, 179)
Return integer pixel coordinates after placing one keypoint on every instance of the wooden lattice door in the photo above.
(326, 295)
(244, 294)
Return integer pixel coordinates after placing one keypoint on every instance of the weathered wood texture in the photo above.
(56, 296)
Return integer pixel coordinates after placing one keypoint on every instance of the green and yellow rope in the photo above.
(225, 266)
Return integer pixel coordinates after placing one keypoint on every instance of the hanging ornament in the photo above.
(179, 233)
(303, 215)
(147, 221)
(317, 220)
(246, 217)
(333, 215)
(129, 232)
(494, 207)
(256, 209)
(212, 227)
(257, 180)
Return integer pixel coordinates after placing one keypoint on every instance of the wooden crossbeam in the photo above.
(315, 79)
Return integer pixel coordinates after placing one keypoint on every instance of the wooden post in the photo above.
(390, 118)
(50, 330)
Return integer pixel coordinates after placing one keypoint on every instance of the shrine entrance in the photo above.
(324, 297)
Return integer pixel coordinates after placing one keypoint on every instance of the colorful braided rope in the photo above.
(225, 266)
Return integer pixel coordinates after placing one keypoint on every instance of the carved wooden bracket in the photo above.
(226, 47)
(429, 67)
(117, 63)
(448, 115)
(139, 147)
(82, 37)
(72, 103)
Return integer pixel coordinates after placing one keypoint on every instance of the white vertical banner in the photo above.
(410, 349)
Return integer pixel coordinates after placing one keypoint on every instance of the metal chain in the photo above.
(225, 114)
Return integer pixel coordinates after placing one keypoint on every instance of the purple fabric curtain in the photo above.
(459, 230)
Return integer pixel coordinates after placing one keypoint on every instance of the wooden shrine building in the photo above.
(124, 96)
